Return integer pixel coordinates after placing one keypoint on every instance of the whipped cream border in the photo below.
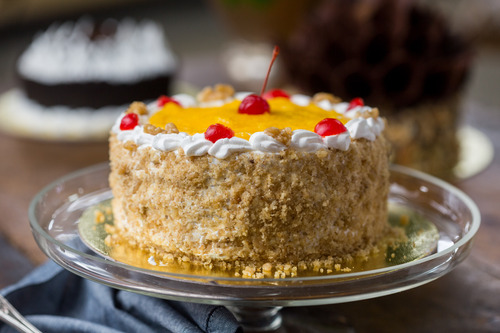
(301, 140)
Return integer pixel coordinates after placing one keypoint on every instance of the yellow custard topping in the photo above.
(283, 114)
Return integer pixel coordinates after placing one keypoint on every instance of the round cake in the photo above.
(96, 64)
(256, 183)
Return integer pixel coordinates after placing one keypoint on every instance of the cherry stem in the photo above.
(276, 51)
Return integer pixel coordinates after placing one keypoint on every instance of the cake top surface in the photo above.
(296, 112)
(112, 51)
(217, 123)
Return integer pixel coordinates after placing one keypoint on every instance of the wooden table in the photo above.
(465, 300)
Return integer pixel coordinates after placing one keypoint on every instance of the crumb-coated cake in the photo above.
(261, 184)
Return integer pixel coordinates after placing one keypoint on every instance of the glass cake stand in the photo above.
(55, 212)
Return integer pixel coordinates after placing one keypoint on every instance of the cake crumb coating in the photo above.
(268, 214)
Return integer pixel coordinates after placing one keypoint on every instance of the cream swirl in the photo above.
(376, 124)
(224, 147)
(137, 136)
(367, 128)
(262, 142)
(187, 101)
(327, 105)
(340, 141)
(307, 141)
(301, 100)
(195, 145)
(168, 142)
(361, 128)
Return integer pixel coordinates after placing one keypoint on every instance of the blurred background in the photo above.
(202, 32)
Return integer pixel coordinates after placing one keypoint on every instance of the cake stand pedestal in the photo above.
(258, 319)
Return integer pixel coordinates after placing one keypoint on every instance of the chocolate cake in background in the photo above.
(395, 54)
(96, 64)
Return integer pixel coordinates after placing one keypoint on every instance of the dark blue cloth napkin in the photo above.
(55, 300)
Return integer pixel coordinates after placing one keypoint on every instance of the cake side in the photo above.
(252, 207)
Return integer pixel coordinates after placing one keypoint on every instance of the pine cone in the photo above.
(391, 53)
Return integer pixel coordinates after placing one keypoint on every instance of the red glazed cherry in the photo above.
(218, 131)
(162, 100)
(254, 104)
(358, 101)
(329, 126)
(275, 93)
(129, 121)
